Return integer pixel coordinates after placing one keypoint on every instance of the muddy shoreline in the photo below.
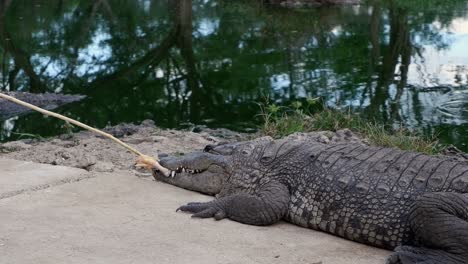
(92, 152)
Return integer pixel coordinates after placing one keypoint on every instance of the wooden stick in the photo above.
(143, 161)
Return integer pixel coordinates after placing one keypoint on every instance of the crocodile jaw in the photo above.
(198, 171)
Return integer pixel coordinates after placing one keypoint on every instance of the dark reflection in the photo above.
(15, 59)
(209, 61)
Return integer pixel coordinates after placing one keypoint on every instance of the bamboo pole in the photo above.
(143, 160)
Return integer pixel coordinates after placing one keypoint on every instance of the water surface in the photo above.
(209, 62)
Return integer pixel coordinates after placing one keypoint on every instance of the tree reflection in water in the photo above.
(208, 61)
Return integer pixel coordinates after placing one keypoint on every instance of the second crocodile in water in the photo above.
(406, 201)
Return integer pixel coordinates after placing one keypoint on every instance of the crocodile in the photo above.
(408, 202)
(48, 101)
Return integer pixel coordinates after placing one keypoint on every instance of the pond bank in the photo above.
(94, 153)
(91, 152)
(88, 151)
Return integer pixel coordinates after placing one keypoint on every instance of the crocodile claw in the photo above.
(203, 210)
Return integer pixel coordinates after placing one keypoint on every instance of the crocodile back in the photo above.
(364, 193)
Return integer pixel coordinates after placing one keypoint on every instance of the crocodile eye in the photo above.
(265, 159)
(245, 152)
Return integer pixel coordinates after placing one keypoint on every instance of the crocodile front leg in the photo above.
(267, 207)
(439, 222)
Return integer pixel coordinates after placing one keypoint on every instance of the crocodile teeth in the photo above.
(183, 169)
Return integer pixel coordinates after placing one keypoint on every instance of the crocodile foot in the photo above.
(420, 255)
(204, 210)
(406, 255)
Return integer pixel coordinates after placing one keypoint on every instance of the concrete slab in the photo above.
(119, 218)
(20, 176)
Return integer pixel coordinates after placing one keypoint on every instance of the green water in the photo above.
(209, 62)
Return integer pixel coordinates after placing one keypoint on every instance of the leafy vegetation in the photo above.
(280, 121)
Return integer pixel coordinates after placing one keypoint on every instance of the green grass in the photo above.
(27, 135)
(280, 121)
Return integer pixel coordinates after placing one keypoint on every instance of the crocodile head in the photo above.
(208, 171)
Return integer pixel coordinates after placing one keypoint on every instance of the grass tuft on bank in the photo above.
(309, 116)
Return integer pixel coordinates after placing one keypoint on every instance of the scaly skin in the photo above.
(378, 196)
